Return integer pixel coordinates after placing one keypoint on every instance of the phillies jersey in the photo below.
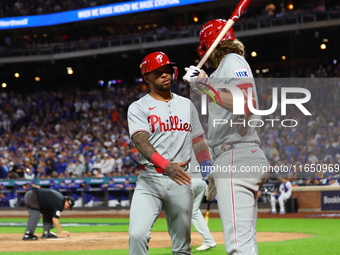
(234, 70)
(171, 126)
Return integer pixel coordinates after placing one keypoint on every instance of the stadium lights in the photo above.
(37, 79)
(323, 46)
(253, 54)
(283, 57)
(4, 85)
(16, 75)
(69, 70)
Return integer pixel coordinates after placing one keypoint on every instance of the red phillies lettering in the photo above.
(174, 123)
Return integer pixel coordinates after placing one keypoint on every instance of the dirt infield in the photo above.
(116, 240)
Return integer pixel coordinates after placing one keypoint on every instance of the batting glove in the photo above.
(200, 83)
(205, 168)
(210, 190)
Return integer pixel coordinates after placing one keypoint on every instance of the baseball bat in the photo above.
(207, 213)
(239, 9)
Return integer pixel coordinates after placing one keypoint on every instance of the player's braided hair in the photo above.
(224, 48)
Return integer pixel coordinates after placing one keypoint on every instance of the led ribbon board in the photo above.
(91, 13)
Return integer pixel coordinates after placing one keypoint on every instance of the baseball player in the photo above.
(199, 186)
(164, 127)
(50, 203)
(235, 144)
(284, 192)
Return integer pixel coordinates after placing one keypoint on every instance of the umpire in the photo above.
(49, 203)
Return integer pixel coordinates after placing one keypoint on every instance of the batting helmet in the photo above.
(209, 33)
(153, 61)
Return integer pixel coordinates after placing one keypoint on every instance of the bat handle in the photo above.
(225, 29)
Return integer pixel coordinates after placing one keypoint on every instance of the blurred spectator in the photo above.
(313, 159)
(333, 182)
(97, 163)
(125, 193)
(71, 167)
(4, 196)
(88, 165)
(51, 169)
(79, 169)
(78, 201)
(107, 165)
(316, 181)
(97, 173)
(112, 194)
(281, 195)
(269, 10)
(4, 169)
(61, 165)
(329, 149)
(274, 152)
(118, 165)
(266, 149)
(290, 149)
(29, 173)
(90, 199)
(53, 185)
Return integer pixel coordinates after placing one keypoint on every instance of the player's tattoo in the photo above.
(171, 170)
(141, 140)
(200, 146)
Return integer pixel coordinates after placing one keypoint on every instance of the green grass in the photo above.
(325, 240)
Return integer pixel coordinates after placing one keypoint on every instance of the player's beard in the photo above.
(163, 88)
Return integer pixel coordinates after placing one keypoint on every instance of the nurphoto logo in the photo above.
(296, 96)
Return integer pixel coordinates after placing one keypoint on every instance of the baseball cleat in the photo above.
(272, 212)
(49, 235)
(30, 237)
(282, 212)
(205, 247)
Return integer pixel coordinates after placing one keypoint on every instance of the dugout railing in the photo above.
(101, 195)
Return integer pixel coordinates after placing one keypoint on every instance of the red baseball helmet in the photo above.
(209, 32)
(153, 61)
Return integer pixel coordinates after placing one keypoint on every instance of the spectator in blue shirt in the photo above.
(126, 192)
(112, 194)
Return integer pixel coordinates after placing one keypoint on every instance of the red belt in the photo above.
(158, 169)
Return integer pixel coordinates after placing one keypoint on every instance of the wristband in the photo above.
(160, 161)
(202, 156)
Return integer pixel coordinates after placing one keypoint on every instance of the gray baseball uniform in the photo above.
(171, 126)
(236, 148)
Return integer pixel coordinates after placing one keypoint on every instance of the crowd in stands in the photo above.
(77, 133)
(101, 37)
(66, 134)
